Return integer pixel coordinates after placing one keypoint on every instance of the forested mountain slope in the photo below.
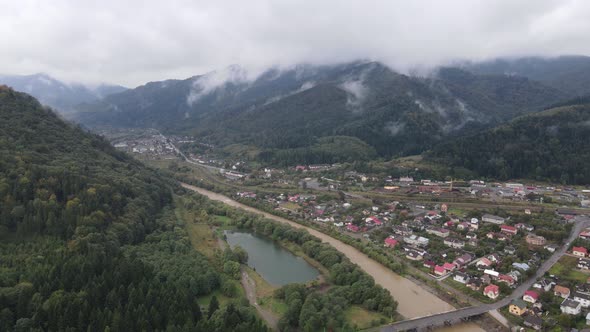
(569, 74)
(285, 111)
(550, 145)
(88, 239)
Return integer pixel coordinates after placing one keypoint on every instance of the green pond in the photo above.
(274, 263)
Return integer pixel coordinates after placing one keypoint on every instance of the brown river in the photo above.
(413, 300)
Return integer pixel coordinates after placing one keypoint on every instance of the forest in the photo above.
(89, 240)
(548, 146)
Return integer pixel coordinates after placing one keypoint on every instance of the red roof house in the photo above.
(580, 251)
(389, 242)
(492, 291)
(530, 296)
(352, 228)
(449, 266)
(508, 229)
(439, 270)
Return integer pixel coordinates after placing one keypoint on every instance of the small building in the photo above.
(474, 284)
(580, 251)
(521, 266)
(530, 296)
(492, 291)
(584, 264)
(535, 240)
(391, 243)
(414, 255)
(584, 299)
(454, 243)
(510, 230)
(440, 271)
(533, 322)
(508, 280)
(570, 307)
(461, 277)
(561, 291)
(483, 263)
(517, 307)
(493, 219)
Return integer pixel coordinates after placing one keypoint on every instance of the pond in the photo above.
(275, 264)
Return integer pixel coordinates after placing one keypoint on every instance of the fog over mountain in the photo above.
(133, 42)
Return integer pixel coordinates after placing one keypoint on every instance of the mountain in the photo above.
(89, 238)
(288, 109)
(550, 145)
(569, 74)
(56, 94)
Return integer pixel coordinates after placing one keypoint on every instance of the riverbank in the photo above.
(413, 300)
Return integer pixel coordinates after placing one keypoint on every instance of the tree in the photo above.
(213, 306)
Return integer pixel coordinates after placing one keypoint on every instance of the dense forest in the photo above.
(551, 146)
(89, 241)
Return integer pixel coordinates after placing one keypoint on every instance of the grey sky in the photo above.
(131, 42)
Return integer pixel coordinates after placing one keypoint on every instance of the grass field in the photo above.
(364, 318)
(263, 288)
(566, 268)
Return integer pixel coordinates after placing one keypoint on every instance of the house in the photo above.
(440, 271)
(517, 307)
(530, 296)
(521, 266)
(585, 235)
(570, 307)
(492, 219)
(510, 250)
(429, 264)
(454, 243)
(535, 240)
(491, 273)
(580, 251)
(474, 284)
(416, 240)
(584, 299)
(510, 230)
(533, 322)
(544, 284)
(462, 226)
(508, 280)
(449, 267)
(562, 291)
(495, 258)
(491, 291)
(461, 277)
(584, 264)
(352, 228)
(514, 274)
(391, 243)
(463, 260)
(440, 232)
(483, 263)
(551, 247)
(414, 255)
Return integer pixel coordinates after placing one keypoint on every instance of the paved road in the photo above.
(455, 315)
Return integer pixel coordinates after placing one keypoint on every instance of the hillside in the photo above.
(88, 237)
(56, 94)
(569, 74)
(550, 145)
(289, 109)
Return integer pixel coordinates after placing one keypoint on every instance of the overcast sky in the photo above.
(131, 42)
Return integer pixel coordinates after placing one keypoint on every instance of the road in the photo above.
(249, 286)
(455, 315)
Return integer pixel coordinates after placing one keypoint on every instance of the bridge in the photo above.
(455, 316)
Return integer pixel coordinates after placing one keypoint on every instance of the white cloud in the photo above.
(133, 41)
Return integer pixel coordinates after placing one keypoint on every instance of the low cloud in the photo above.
(133, 42)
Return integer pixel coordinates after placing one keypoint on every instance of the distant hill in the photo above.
(550, 145)
(282, 110)
(56, 94)
(569, 74)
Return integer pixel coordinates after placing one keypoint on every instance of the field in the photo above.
(363, 318)
(566, 269)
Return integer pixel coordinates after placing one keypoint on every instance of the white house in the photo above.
(582, 298)
(570, 307)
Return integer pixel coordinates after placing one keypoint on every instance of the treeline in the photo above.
(313, 311)
(547, 146)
